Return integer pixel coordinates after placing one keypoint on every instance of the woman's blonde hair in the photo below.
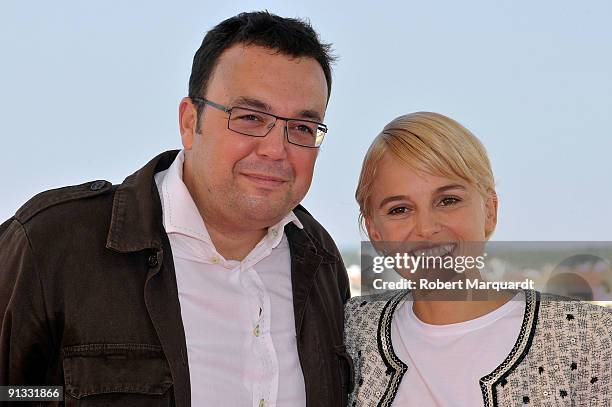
(431, 143)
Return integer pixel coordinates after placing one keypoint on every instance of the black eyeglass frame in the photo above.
(322, 127)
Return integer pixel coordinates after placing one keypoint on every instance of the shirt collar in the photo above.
(181, 215)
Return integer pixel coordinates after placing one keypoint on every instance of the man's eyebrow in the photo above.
(257, 104)
(246, 101)
(310, 115)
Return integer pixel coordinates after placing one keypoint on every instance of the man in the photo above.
(199, 280)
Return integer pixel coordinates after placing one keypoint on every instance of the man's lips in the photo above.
(264, 179)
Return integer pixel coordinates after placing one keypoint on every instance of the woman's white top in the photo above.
(446, 361)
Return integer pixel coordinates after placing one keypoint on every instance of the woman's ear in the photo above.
(375, 237)
(491, 213)
(373, 233)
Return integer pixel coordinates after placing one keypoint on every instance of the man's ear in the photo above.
(188, 114)
(491, 213)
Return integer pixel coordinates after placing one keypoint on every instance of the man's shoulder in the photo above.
(364, 317)
(316, 231)
(62, 201)
(308, 221)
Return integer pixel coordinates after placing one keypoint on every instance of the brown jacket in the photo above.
(88, 298)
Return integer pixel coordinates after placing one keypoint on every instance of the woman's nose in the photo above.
(427, 225)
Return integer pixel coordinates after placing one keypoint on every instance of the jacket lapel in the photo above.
(305, 262)
(488, 383)
(161, 299)
(136, 221)
(394, 367)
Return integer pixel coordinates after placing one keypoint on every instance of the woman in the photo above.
(426, 178)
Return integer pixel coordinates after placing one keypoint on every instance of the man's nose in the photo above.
(274, 144)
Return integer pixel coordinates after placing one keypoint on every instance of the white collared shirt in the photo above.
(238, 315)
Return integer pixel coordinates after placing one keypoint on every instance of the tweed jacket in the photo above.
(562, 355)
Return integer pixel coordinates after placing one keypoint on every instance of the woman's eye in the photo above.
(400, 210)
(449, 200)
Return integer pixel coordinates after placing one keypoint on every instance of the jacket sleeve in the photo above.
(24, 339)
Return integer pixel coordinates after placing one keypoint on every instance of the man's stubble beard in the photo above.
(244, 209)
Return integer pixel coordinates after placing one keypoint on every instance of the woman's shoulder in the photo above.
(373, 303)
(583, 313)
(362, 313)
(571, 347)
(568, 316)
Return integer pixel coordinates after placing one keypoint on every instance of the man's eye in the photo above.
(450, 200)
(303, 128)
(249, 117)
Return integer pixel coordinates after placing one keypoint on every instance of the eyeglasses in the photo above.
(305, 133)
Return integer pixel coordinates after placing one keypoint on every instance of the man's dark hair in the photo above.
(289, 36)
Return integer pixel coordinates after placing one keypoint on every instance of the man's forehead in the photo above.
(245, 58)
(260, 77)
(244, 50)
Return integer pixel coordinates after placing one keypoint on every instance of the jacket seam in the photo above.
(116, 218)
(109, 347)
(37, 272)
(37, 205)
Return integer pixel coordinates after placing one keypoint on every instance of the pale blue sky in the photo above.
(89, 90)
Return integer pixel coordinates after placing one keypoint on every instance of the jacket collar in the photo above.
(307, 255)
(136, 219)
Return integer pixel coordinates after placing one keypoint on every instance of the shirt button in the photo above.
(274, 232)
(262, 403)
(257, 332)
(216, 260)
